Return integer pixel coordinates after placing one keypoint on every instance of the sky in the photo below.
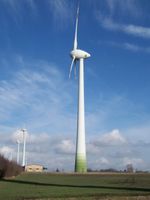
(36, 38)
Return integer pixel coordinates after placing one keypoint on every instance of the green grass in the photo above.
(87, 186)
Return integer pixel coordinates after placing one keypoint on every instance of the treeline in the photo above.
(9, 168)
(111, 170)
(105, 170)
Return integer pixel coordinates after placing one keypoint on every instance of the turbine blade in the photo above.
(71, 66)
(75, 69)
(76, 30)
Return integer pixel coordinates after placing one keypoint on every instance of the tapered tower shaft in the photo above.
(24, 148)
(80, 160)
(18, 152)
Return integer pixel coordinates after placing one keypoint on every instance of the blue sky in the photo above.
(36, 38)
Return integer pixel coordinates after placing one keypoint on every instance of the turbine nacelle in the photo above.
(78, 54)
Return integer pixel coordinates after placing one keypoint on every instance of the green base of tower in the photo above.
(80, 164)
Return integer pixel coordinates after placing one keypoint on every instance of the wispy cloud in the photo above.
(16, 8)
(37, 98)
(60, 10)
(134, 30)
(126, 8)
(14, 5)
(129, 46)
(32, 4)
(132, 47)
(33, 96)
(112, 138)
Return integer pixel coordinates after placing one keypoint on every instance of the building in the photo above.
(34, 168)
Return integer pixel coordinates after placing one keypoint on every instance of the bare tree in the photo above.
(9, 168)
(130, 168)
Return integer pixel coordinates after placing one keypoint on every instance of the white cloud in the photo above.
(129, 46)
(102, 161)
(135, 48)
(136, 162)
(33, 95)
(112, 138)
(61, 11)
(16, 8)
(7, 152)
(138, 31)
(98, 162)
(38, 139)
(58, 12)
(126, 8)
(65, 146)
(93, 149)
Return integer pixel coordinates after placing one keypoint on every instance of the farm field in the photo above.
(46, 186)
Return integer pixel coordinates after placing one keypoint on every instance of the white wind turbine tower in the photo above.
(18, 150)
(18, 140)
(24, 131)
(80, 55)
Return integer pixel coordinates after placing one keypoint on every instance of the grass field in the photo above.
(70, 186)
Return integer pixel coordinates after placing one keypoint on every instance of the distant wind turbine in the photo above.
(24, 147)
(79, 55)
(18, 141)
(18, 150)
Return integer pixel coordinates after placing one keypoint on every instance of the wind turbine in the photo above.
(79, 55)
(24, 147)
(18, 141)
(18, 150)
